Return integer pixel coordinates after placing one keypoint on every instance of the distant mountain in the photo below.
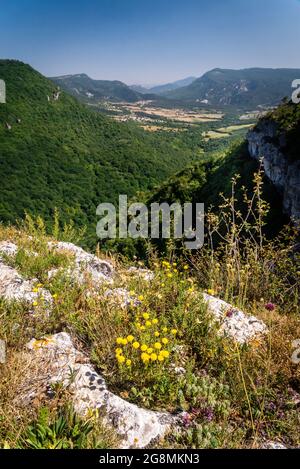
(139, 89)
(245, 89)
(172, 86)
(87, 89)
(160, 89)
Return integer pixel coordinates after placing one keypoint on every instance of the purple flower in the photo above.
(270, 307)
(230, 313)
(207, 414)
(271, 406)
(186, 420)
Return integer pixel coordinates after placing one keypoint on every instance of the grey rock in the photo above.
(13, 287)
(2, 352)
(8, 248)
(268, 143)
(88, 268)
(273, 445)
(236, 325)
(135, 426)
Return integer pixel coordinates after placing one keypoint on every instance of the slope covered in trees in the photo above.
(239, 89)
(54, 152)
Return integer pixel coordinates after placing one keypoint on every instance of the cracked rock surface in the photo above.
(87, 266)
(234, 323)
(59, 361)
(13, 287)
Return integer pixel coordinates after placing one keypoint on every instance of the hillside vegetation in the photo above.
(89, 90)
(241, 89)
(54, 152)
(151, 336)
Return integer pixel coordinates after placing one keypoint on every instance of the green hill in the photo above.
(89, 90)
(243, 89)
(58, 153)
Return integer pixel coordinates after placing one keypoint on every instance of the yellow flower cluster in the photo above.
(40, 298)
(150, 344)
(171, 268)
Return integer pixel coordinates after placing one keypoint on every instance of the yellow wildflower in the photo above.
(155, 321)
(153, 357)
(54, 295)
(119, 351)
(35, 290)
(165, 341)
(165, 329)
(145, 357)
(130, 338)
(143, 328)
(119, 341)
(161, 358)
(174, 331)
(150, 350)
(186, 267)
(125, 342)
(35, 303)
(136, 345)
(144, 348)
(157, 345)
(156, 334)
(148, 323)
(128, 362)
(121, 359)
(146, 316)
(211, 292)
(170, 275)
(141, 297)
(165, 353)
(39, 285)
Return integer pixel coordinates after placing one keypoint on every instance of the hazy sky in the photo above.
(149, 41)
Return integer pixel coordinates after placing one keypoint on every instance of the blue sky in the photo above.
(149, 41)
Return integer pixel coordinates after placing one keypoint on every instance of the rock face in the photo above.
(86, 265)
(13, 287)
(57, 360)
(234, 323)
(268, 142)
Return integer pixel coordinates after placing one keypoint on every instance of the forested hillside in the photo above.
(54, 152)
(89, 90)
(239, 89)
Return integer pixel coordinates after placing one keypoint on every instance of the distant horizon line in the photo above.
(149, 86)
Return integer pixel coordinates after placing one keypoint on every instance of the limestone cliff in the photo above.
(277, 145)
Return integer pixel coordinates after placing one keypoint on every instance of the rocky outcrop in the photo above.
(234, 323)
(269, 143)
(13, 287)
(87, 268)
(58, 361)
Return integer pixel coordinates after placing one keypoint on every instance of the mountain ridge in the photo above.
(160, 89)
(87, 89)
(245, 88)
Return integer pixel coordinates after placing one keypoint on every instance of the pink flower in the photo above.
(270, 307)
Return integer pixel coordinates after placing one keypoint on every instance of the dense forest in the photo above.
(54, 152)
